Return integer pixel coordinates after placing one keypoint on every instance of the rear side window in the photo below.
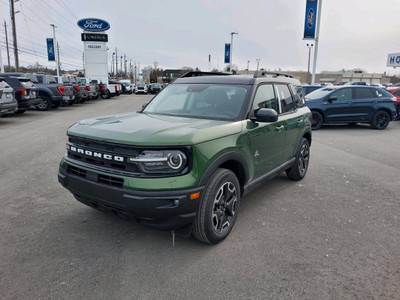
(265, 98)
(361, 93)
(285, 97)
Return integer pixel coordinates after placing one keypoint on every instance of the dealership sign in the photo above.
(93, 24)
(94, 37)
(310, 19)
(393, 60)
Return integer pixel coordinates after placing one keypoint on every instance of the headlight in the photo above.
(165, 161)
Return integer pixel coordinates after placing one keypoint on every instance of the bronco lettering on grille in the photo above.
(95, 154)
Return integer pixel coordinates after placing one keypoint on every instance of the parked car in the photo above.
(79, 87)
(155, 88)
(126, 86)
(115, 88)
(91, 88)
(351, 104)
(140, 88)
(184, 162)
(53, 94)
(8, 104)
(308, 88)
(26, 93)
(395, 91)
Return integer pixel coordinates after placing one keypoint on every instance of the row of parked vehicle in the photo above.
(353, 103)
(20, 91)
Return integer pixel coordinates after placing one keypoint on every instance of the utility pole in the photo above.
(125, 64)
(8, 51)
(112, 65)
(58, 52)
(258, 62)
(135, 73)
(12, 12)
(116, 63)
(58, 60)
(122, 71)
(230, 54)
(248, 66)
(316, 41)
(1, 63)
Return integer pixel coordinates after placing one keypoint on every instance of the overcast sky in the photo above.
(177, 33)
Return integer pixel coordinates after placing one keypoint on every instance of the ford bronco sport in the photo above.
(186, 159)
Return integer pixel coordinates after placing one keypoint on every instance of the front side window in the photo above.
(343, 94)
(287, 102)
(265, 98)
(206, 101)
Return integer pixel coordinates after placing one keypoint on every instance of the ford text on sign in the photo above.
(93, 24)
(393, 60)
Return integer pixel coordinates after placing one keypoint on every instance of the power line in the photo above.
(67, 9)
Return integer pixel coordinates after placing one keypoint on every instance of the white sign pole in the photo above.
(316, 41)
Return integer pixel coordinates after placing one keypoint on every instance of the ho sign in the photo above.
(393, 60)
(93, 24)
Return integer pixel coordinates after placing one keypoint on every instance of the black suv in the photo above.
(351, 104)
(26, 93)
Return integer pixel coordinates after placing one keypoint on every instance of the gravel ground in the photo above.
(334, 235)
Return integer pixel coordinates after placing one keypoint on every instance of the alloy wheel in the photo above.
(224, 207)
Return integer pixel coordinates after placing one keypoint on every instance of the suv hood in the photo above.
(153, 130)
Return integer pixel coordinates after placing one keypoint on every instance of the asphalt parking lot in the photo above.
(334, 235)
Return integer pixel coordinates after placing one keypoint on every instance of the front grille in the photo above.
(77, 171)
(110, 180)
(115, 151)
(100, 178)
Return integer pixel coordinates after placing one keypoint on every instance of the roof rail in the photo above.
(263, 73)
(199, 73)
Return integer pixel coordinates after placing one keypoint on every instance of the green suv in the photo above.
(186, 159)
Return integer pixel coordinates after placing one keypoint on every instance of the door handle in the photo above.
(299, 121)
(279, 128)
(349, 102)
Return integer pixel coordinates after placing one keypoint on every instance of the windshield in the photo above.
(32, 78)
(125, 84)
(319, 93)
(205, 101)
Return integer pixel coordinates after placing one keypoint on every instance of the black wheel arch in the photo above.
(232, 161)
(307, 134)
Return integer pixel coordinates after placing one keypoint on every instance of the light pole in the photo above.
(55, 45)
(230, 54)
(309, 56)
(112, 64)
(248, 66)
(258, 62)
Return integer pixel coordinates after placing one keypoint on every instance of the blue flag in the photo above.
(50, 50)
(310, 20)
(227, 53)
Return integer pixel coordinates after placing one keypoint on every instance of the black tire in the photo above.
(380, 120)
(96, 97)
(45, 104)
(218, 208)
(20, 111)
(299, 169)
(55, 105)
(106, 95)
(71, 102)
(316, 120)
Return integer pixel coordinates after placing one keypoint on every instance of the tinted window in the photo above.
(343, 94)
(363, 93)
(287, 102)
(265, 98)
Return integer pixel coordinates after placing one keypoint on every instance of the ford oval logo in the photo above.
(93, 24)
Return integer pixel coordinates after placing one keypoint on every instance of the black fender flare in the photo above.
(228, 156)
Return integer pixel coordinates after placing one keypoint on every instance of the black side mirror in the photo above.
(265, 115)
(333, 98)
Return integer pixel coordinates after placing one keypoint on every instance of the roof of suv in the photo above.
(237, 79)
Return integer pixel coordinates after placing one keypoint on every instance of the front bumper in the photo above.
(162, 210)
